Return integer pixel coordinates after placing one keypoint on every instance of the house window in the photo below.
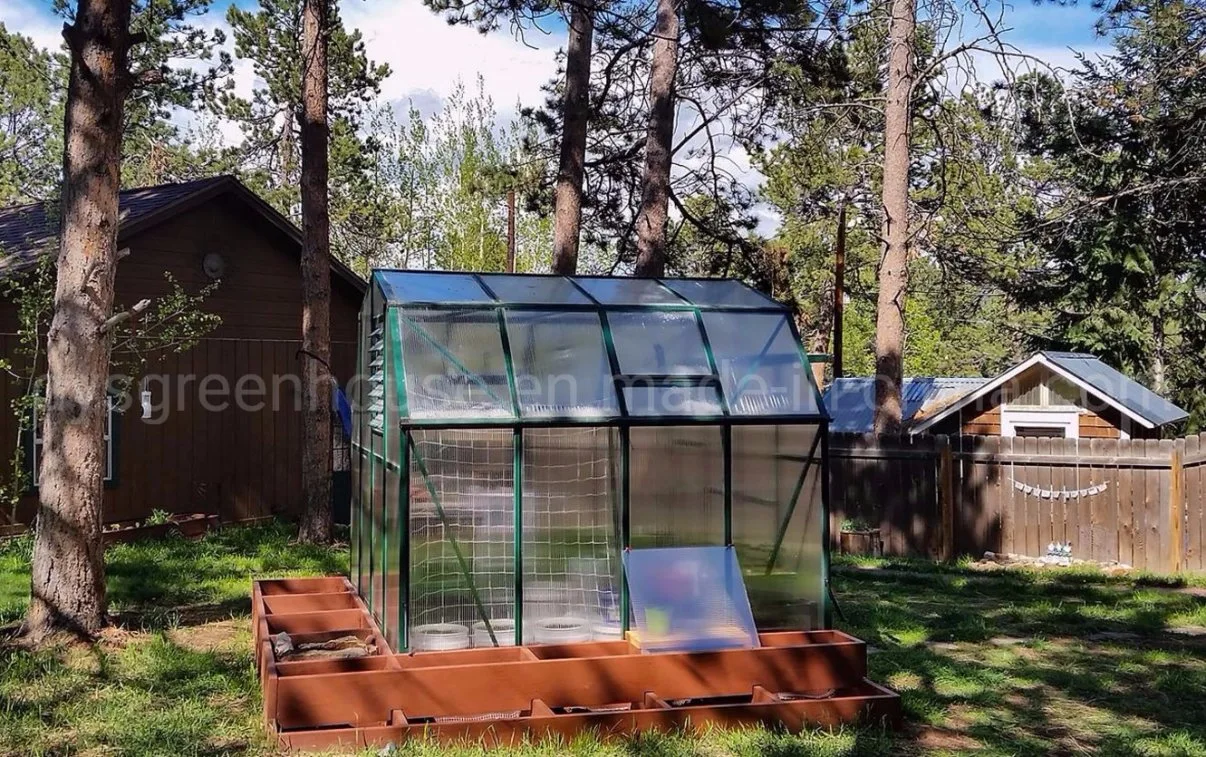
(35, 457)
(1041, 432)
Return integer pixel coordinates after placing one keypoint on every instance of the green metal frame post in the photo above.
(517, 481)
(826, 608)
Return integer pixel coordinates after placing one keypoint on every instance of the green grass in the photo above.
(1006, 662)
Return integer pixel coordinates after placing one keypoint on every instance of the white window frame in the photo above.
(107, 432)
(1068, 420)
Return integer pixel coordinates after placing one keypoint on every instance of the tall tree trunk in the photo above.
(894, 259)
(655, 189)
(568, 193)
(68, 576)
(316, 279)
(1159, 363)
(839, 291)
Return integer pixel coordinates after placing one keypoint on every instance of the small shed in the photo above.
(515, 434)
(1064, 395)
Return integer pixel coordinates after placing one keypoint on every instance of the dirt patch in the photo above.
(210, 637)
(945, 739)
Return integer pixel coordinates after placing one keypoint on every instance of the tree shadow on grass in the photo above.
(152, 696)
(1015, 661)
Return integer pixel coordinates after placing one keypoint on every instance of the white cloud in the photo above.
(33, 19)
(428, 57)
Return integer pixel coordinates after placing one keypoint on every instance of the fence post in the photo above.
(1176, 506)
(946, 496)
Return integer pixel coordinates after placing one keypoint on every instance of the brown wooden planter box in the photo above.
(861, 543)
(506, 695)
(188, 525)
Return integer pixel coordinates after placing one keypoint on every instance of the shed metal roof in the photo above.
(850, 401)
(1109, 382)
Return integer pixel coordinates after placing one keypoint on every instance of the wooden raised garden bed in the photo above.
(506, 694)
(188, 525)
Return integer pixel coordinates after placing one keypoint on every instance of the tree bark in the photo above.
(67, 585)
(315, 526)
(567, 221)
(839, 291)
(894, 258)
(655, 190)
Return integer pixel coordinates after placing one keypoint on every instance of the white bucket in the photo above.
(561, 630)
(605, 631)
(439, 637)
(504, 632)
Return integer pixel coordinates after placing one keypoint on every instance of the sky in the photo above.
(428, 57)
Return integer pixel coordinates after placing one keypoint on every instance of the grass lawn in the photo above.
(1004, 662)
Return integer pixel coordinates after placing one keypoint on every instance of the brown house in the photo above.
(1066, 395)
(215, 429)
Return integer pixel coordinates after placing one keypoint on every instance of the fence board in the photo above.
(896, 482)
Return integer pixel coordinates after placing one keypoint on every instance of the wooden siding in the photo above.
(1139, 502)
(239, 464)
(983, 416)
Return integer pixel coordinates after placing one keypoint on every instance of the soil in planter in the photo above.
(341, 648)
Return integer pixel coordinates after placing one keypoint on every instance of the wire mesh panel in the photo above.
(689, 599)
(777, 522)
(571, 533)
(462, 533)
(676, 486)
(759, 363)
(454, 364)
(560, 364)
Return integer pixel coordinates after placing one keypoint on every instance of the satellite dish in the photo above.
(214, 265)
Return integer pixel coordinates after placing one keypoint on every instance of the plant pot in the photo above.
(863, 542)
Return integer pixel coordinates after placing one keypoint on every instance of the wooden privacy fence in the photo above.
(1136, 502)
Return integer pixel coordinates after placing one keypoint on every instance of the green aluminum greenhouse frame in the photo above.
(443, 382)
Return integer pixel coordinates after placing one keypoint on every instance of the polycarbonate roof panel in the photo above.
(404, 287)
(759, 364)
(454, 364)
(720, 293)
(534, 290)
(628, 291)
(658, 342)
(560, 362)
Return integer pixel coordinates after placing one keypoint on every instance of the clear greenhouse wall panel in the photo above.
(676, 486)
(778, 523)
(571, 534)
(462, 535)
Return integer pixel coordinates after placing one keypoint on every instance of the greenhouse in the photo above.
(517, 435)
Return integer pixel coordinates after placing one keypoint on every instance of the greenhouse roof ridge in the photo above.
(588, 291)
